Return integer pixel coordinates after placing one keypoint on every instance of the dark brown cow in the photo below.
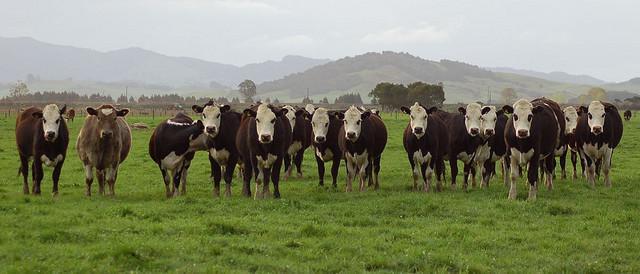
(571, 116)
(493, 146)
(41, 135)
(627, 115)
(300, 140)
(103, 143)
(172, 146)
(325, 128)
(71, 114)
(598, 133)
(362, 140)
(532, 134)
(221, 128)
(262, 140)
(425, 141)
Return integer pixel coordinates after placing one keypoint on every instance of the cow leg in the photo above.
(183, 176)
(320, 164)
(439, 173)
(415, 171)
(100, 175)
(591, 170)
(506, 170)
(467, 169)
(259, 178)
(364, 172)
(287, 166)
(228, 175)
(110, 175)
(376, 171)
(216, 176)
(453, 164)
(275, 178)
(266, 172)
(351, 172)
(427, 172)
(167, 180)
(574, 159)
(488, 168)
(335, 166)
(369, 171)
(472, 174)
(563, 162)
(38, 174)
(298, 161)
(24, 170)
(88, 178)
(56, 178)
(606, 166)
(247, 173)
(177, 177)
(515, 174)
(549, 166)
(532, 176)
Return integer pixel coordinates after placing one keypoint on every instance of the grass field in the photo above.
(315, 229)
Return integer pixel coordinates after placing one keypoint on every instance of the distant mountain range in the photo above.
(556, 76)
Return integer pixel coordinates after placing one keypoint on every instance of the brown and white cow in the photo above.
(598, 133)
(172, 146)
(71, 114)
(41, 135)
(532, 134)
(103, 143)
(571, 116)
(426, 142)
(493, 147)
(262, 140)
(220, 127)
(325, 128)
(362, 140)
(300, 140)
(627, 115)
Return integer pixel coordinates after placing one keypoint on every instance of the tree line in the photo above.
(394, 96)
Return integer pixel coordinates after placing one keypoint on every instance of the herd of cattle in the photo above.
(527, 136)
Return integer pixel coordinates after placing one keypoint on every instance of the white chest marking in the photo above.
(560, 151)
(464, 157)
(51, 163)
(521, 158)
(328, 154)
(171, 161)
(593, 151)
(483, 153)
(294, 147)
(221, 156)
(358, 159)
(266, 163)
(420, 158)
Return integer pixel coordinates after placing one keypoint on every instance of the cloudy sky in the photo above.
(599, 38)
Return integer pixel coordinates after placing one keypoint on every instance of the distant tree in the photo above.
(268, 100)
(122, 99)
(248, 90)
(509, 96)
(307, 100)
(276, 101)
(324, 100)
(19, 89)
(430, 95)
(131, 100)
(593, 94)
(235, 100)
(349, 98)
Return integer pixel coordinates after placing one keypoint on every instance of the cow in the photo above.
(493, 147)
(310, 108)
(627, 115)
(598, 133)
(220, 128)
(362, 139)
(464, 138)
(172, 146)
(532, 134)
(41, 135)
(103, 143)
(71, 114)
(426, 141)
(571, 116)
(262, 140)
(325, 129)
(300, 140)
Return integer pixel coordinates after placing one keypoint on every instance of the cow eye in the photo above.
(590, 116)
(204, 116)
(567, 119)
(358, 122)
(313, 124)
(425, 117)
(218, 115)
(257, 120)
(603, 115)
(44, 121)
(481, 118)
(466, 117)
(58, 121)
(515, 117)
(326, 124)
(529, 117)
(273, 121)
(412, 117)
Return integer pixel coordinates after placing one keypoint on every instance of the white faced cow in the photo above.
(325, 129)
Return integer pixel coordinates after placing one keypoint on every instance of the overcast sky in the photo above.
(599, 38)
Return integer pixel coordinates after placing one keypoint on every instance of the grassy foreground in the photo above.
(315, 229)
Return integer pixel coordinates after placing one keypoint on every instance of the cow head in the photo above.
(523, 112)
(291, 115)
(211, 117)
(571, 116)
(107, 115)
(352, 122)
(596, 114)
(472, 115)
(488, 118)
(310, 108)
(320, 120)
(266, 117)
(419, 116)
(51, 119)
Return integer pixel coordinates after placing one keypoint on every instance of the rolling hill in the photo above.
(556, 76)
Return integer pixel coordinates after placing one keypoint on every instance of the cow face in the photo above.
(571, 116)
(353, 122)
(310, 108)
(488, 119)
(320, 125)
(266, 117)
(107, 115)
(419, 116)
(211, 117)
(523, 112)
(51, 118)
(472, 118)
(291, 116)
(596, 114)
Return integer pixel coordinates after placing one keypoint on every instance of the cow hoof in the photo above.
(300, 176)
(54, 194)
(227, 193)
(453, 187)
(216, 193)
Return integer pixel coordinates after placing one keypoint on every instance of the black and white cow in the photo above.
(493, 147)
(300, 140)
(571, 116)
(532, 134)
(598, 133)
(172, 146)
(362, 140)
(425, 141)
(325, 129)
(220, 128)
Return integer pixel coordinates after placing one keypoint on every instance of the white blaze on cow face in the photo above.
(352, 123)
(571, 116)
(488, 121)
(265, 123)
(522, 117)
(596, 117)
(309, 108)
(291, 116)
(211, 120)
(320, 125)
(472, 119)
(51, 119)
(419, 117)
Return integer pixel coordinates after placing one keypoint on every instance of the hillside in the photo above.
(556, 76)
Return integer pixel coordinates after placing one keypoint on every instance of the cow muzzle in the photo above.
(320, 139)
(418, 130)
(106, 134)
(50, 136)
(522, 133)
(265, 138)
(489, 132)
(474, 131)
(351, 136)
(596, 130)
(211, 130)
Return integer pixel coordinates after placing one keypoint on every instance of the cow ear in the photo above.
(583, 109)
(307, 115)
(406, 110)
(197, 109)
(339, 115)
(37, 115)
(300, 112)
(485, 110)
(536, 109)
(462, 110)
(63, 109)
(280, 112)
(92, 111)
(123, 112)
(609, 108)
(199, 124)
(432, 110)
(225, 108)
(507, 109)
(249, 112)
(365, 115)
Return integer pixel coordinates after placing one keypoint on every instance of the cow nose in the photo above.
(474, 131)
(417, 130)
(488, 132)
(597, 129)
(351, 135)
(51, 134)
(265, 138)
(211, 129)
(320, 139)
(107, 134)
(573, 131)
(523, 133)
